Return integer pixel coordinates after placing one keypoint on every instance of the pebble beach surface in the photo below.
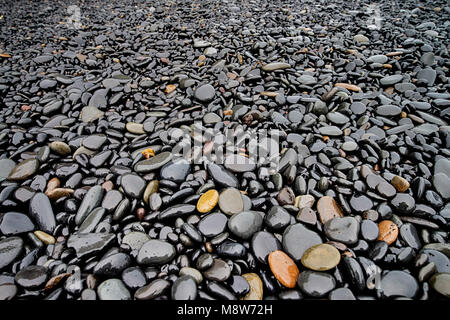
(96, 96)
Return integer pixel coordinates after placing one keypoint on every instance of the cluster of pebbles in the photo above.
(95, 204)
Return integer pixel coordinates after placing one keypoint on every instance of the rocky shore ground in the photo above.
(97, 98)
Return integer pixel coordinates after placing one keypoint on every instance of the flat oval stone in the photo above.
(386, 190)
(205, 93)
(403, 203)
(286, 196)
(153, 163)
(212, 224)
(176, 211)
(341, 294)
(156, 252)
(390, 80)
(369, 230)
(136, 128)
(6, 166)
(136, 239)
(219, 271)
(7, 291)
(222, 176)
(111, 200)
(388, 231)
(273, 66)
(194, 273)
(92, 220)
(239, 285)
(345, 230)
(133, 185)
(388, 110)
(112, 265)
(113, 289)
(316, 284)
(277, 218)
(175, 170)
(13, 223)
(297, 239)
(134, 278)
(398, 284)
(41, 211)
(263, 243)
(24, 170)
(238, 163)
(245, 224)
(441, 283)
(207, 201)
(328, 209)
(360, 203)
(184, 288)
(283, 268)
(91, 200)
(31, 277)
(230, 201)
(89, 243)
(153, 290)
(321, 257)
(256, 287)
(10, 249)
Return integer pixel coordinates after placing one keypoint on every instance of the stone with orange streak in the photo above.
(328, 209)
(283, 268)
(388, 231)
(208, 201)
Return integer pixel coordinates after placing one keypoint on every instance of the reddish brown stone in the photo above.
(388, 231)
(328, 209)
(283, 268)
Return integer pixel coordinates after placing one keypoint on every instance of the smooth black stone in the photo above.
(297, 239)
(14, 223)
(112, 265)
(277, 218)
(184, 288)
(133, 185)
(134, 278)
(409, 234)
(361, 203)
(230, 249)
(345, 230)
(41, 211)
(263, 243)
(441, 261)
(354, 273)
(316, 284)
(403, 203)
(222, 176)
(369, 230)
(10, 249)
(245, 224)
(238, 285)
(175, 170)
(219, 271)
(156, 252)
(89, 243)
(177, 211)
(153, 290)
(396, 284)
(31, 277)
(91, 200)
(378, 251)
(220, 291)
